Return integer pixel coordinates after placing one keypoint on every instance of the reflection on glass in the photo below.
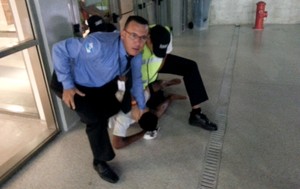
(15, 89)
(23, 91)
(12, 32)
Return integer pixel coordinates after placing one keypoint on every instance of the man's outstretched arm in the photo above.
(121, 142)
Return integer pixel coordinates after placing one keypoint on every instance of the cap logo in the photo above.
(89, 47)
(162, 46)
(98, 22)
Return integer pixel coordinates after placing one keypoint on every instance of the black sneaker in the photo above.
(200, 120)
(106, 173)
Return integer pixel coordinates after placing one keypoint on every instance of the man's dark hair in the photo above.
(137, 19)
(148, 121)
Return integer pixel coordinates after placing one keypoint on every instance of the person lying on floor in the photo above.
(157, 59)
(157, 104)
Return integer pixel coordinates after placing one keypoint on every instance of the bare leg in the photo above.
(161, 109)
(161, 84)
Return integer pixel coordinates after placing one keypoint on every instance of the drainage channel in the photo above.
(212, 159)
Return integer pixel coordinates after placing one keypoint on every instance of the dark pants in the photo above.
(94, 109)
(191, 77)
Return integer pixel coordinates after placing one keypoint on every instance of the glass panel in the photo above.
(14, 31)
(23, 91)
(15, 89)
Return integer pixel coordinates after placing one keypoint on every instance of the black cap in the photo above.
(148, 121)
(160, 38)
(96, 23)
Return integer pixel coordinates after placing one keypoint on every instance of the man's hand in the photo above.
(136, 113)
(68, 97)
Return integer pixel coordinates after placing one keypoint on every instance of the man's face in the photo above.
(134, 37)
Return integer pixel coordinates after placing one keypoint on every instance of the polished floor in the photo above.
(253, 81)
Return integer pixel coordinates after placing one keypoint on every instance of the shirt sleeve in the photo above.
(64, 54)
(137, 89)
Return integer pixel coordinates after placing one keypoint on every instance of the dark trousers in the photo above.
(94, 109)
(191, 77)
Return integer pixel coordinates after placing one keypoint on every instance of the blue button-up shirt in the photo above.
(94, 61)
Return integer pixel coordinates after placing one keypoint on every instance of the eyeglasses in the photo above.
(134, 36)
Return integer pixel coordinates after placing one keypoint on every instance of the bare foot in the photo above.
(171, 82)
(160, 110)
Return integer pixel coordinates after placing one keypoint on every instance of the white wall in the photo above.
(243, 11)
(232, 12)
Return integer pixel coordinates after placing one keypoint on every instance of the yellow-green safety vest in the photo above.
(151, 65)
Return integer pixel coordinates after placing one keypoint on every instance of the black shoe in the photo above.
(200, 120)
(106, 173)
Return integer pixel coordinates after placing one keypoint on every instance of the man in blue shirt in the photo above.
(91, 71)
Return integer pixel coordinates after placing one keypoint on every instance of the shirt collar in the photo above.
(122, 50)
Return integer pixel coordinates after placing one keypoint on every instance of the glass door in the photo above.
(26, 115)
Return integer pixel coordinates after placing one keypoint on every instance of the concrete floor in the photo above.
(253, 81)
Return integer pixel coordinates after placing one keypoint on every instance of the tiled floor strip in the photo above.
(212, 160)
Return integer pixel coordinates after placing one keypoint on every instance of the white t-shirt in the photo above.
(121, 122)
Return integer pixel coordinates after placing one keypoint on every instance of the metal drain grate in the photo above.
(212, 158)
(213, 153)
